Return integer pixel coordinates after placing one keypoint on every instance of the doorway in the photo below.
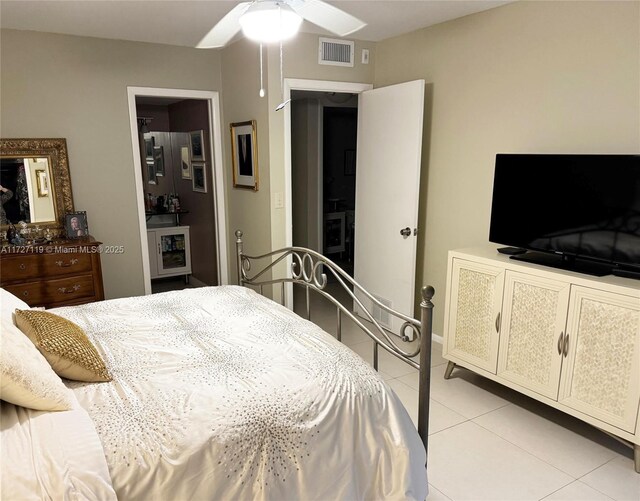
(290, 85)
(176, 137)
(323, 154)
(389, 147)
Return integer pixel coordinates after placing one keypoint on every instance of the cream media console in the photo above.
(567, 339)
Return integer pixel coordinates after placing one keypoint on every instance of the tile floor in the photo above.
(488, 442)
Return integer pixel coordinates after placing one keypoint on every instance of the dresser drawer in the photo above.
(28, 266)
(60, 290)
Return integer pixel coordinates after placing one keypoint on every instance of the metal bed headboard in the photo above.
(309, 269)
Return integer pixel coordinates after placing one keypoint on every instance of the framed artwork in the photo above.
(149, 143)
(158, 160)
(244, 155)
(42, 182)
(197, 146)
(185, 162)
(75, 224)
(199, 180)
(151, 173)
(349, 162)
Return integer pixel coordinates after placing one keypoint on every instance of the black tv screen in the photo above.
(585, 206)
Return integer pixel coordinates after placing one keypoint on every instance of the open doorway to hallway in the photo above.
(323, 161)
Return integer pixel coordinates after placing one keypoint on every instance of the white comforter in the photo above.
(219, 393)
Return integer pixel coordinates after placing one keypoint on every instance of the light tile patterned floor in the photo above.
(488, 442)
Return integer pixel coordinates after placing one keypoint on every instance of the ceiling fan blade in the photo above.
(327, 16)
(225, 29)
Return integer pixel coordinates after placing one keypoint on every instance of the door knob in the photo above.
(406, 232)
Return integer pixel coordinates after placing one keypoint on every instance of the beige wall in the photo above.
(254, 213)
(527, 77)
(301, 61)
(248, 210)
(76, 88)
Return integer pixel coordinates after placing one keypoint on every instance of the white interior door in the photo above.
(387, 189)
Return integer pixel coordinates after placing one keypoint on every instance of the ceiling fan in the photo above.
(268, 21)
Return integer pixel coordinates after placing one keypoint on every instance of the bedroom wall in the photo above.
(76, 87)
(255, 212)
(527, 77)
(248, 210)
(301, 61)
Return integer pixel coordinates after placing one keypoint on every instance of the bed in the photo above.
(221, 393)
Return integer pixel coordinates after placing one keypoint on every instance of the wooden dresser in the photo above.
(63, 273)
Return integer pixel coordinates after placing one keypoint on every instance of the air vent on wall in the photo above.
(336, 52)
(379, 314)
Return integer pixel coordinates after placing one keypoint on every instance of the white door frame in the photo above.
(318, 86)
(215, 140)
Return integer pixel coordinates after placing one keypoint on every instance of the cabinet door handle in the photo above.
(560, 339)
(566, 345)
(159, 251)
(498, 322)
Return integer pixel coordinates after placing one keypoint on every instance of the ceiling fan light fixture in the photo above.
(270, 21)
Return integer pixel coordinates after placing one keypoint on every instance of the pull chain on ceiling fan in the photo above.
(270, 21)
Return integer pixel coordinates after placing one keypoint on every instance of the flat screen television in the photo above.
(578, 212)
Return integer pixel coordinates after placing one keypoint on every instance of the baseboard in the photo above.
(436, 338)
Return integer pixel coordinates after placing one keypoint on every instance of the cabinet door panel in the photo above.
(174, 251)
(476, 296)
(534, 314)
(601, 376)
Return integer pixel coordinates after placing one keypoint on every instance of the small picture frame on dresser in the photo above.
(75, 224)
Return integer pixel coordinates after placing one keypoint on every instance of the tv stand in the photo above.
(569, 340)
(566, 262)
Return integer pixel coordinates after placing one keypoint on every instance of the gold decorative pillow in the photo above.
(64, 344)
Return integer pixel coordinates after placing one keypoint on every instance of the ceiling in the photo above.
(185, 22)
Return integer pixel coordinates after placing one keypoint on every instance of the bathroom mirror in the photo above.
(36, 186)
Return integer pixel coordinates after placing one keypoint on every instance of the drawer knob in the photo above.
(69, 290)
(22, 266)
(25, 293)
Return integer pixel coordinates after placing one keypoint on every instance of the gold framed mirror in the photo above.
(35, 185)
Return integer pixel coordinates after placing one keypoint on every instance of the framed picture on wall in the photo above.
(151, 173)
(199, 180)
(197, 146)
(185, 162)
(149, 143)
(244, 155)
(158, 160)
(75, 224)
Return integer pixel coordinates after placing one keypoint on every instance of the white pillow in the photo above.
(26, 378)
